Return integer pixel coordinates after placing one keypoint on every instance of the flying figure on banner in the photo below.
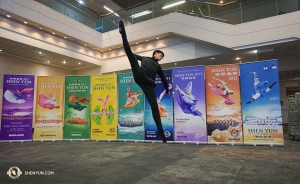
(131, 97)
(97, 113)
(258, 87)
(187, 101)
(162, 111)
(225, 91)
(16, 96)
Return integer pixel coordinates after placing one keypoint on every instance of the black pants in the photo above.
(140, 77)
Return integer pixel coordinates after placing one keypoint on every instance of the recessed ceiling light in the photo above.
(65, 37)
(53, 33)
(146, 40)
(79, 63)
(157, 38)
(136, 42)
(255, 51)
(25, 22)
(213, 58)
(8, 15)
(41, 28)
(64, 61)
(40, 52)
(0, 50)
(48, 61)
(109, 49)
(237, 58)
(84, 44)
(81, 2)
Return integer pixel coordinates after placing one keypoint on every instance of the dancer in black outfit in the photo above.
(144, 76)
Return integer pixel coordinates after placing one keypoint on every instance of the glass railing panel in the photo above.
(230, 11)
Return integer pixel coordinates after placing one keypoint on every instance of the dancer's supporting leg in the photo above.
(151, 97)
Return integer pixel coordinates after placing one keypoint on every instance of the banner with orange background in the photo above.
(104, 107)
(49, 108)
(224, 118)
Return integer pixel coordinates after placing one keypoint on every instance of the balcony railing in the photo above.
(227, 11)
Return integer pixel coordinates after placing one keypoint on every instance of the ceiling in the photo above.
(288, 53)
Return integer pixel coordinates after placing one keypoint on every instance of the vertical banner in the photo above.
(224, 118)
(77, 108)
(104, 107)
(17, 107)
(261, 107)
(49, 108)
(189, 105)
(165, 106)
(131, 109)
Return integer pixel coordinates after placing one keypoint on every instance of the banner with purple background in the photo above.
(17, 107)
(189, 105)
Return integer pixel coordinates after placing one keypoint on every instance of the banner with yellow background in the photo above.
(49, 108)
(104, 108)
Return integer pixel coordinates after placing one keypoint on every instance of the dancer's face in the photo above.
(158, 56)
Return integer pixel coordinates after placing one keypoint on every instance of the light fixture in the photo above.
(0, 50)
(84, 44)
(53, 33)
(118, 47)
(221, 2)
(40, 52)
(40, 27)
(213, 58)
(65, 37)
(157, 38)
(81, 2)
(108, 9)
(174, 4)
(237, 58)
(136, 42)
(146, 40)
(140, 14)
(64, 61)
(25, 22)
(93, 48)
(255, 51)
(117, 15)
(79, 63)
(101, 50)
(109, 49)
(48, 62)
(8, 15)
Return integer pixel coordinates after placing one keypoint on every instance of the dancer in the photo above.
(186, 100)
(131, 97)
(144, 76)
(162, 111)
(226, 91)
(258, 88)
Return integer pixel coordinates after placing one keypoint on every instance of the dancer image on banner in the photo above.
(48, 102)
(78, 103)
(225, 91)
(131, 97)
(97, 113)
(144, 76)
(16, 96)
(186, 100)
(163, 111)
(258, 87)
